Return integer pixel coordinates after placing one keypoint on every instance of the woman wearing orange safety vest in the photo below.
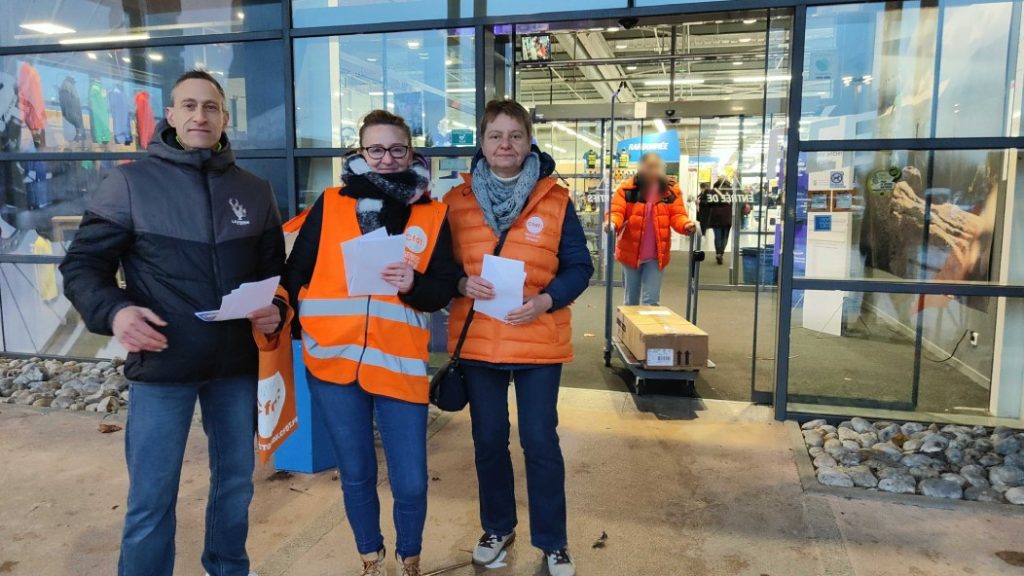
(366, 356)
(512, 195)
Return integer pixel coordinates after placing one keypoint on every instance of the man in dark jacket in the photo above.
(188, 226)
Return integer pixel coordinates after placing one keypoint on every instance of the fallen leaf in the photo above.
(105, 428)
(435, 479)
(279, 475)
(334, 477)
(1011, 557)
(600, 542)
(115, 507)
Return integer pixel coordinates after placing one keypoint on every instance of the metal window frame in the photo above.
(480, 21)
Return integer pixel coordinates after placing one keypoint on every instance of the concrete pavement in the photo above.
(681, 487)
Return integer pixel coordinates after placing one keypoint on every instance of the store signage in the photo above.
(664, 144)
(823, 223)
(462, 137)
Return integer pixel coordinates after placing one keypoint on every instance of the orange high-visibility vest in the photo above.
(377, 342)
(534, 239)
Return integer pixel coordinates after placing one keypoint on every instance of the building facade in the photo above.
(871, 151)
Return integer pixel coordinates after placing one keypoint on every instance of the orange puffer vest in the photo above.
(628, 213)
(375, 341)
(533, 239)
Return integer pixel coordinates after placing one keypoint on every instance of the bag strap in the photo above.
(472, 311)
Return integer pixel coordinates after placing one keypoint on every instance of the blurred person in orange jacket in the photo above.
(645, 210)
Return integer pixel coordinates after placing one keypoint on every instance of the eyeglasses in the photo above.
(377, 152)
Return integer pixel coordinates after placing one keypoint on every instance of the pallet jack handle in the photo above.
(693, 274)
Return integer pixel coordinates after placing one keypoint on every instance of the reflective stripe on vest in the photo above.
(358, 307)
(368, 356)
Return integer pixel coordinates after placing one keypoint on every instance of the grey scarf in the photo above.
(501, 202)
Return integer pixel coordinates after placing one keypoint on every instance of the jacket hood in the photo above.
(547, 163)
(164, 145)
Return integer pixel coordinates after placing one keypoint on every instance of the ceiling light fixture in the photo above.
(48, 28)
(156, 56)
(621, 46)
(631, 68)
(413, 44)
(98, 39)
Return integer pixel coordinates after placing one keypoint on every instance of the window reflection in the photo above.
(306, 13)
(919, 215)
(870, 70)
(427, 77)
(92, 21)
(111, 100)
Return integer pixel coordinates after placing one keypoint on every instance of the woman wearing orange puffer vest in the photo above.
(644, 212)
(512, 195)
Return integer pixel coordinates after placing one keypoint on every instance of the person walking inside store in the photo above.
(644, 212)
(188, 226)
(511, 199)
(366, 356)
(714, 212)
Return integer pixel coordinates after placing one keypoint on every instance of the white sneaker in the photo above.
(490, 546)
(560, 563)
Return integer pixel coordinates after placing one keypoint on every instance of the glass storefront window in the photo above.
(870, 70)
(91, 21)
(308, 13)
(927, 356)
(110, 100)
(518, 7)
(427, 76)
(934, 216)
(38, 319)
(42, 203)
(316, 174)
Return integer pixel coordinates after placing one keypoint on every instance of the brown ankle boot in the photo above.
(410, 566)
(373, 564)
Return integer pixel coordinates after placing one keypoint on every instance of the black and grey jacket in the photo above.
(189, 227)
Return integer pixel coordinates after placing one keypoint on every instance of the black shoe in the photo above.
(718, 259)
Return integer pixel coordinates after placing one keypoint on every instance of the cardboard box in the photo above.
(661, 339)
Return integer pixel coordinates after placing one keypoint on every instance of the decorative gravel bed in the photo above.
(92, 386)
(954, 462)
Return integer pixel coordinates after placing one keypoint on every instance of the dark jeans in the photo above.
(537, 398)
(159, 419)
(721, 238)
(348, 413)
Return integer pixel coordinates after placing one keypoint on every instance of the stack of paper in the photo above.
(243, 300)
(366, 257)
(508, 277)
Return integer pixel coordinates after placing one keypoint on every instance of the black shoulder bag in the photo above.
(448, 390)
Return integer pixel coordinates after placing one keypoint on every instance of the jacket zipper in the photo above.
(366, 338)
(216, 265)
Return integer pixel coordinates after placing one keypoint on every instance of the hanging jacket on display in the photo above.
(30, 98)
(144, 122)
(121, 114)
(71, 109)
(100, 113)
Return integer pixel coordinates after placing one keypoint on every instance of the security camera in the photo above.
(629, 22)
(670, 112)
(670, 116)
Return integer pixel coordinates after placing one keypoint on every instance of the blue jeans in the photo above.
(643, 284)
(348, 413)
(537, 397)
(159, 419)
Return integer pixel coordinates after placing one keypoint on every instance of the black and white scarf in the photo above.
(383, 195)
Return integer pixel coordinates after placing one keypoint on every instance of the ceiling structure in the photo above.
(716, 57)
